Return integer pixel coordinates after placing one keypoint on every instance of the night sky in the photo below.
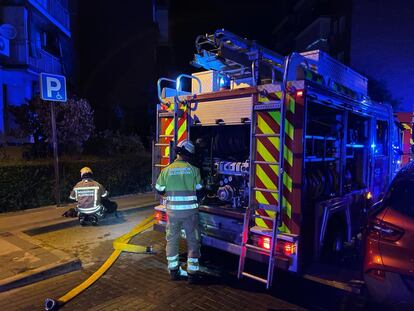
(118, 65)
(119, 61)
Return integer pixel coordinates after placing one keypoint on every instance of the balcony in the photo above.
(46, 63)
(55, 12)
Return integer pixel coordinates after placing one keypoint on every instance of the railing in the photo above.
(46, 63)
(56, 10)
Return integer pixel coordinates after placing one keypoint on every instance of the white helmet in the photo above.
(186, 146)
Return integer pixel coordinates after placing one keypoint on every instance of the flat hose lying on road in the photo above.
(120, 245)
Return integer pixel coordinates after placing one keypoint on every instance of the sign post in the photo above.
(53, 88)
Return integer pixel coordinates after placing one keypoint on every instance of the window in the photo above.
(382, 138)
(50, 43)
(401, 197)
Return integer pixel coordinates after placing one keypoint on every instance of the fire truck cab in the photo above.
(291, 150)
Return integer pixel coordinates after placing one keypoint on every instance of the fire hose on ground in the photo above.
(120, 245)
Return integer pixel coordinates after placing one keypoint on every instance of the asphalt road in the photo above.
(140, 282)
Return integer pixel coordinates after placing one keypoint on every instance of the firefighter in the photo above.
(88, 193)
(181, 183)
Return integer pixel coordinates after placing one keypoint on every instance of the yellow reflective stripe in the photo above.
(264, 178)
(289, 129)
(263, 99)
(284, 228)
(287, 181)
(288, 207)
(261, 149)
(291, 104)
(275, 169)
(260, 222)
(275, 115)
(260, 198)
(182, 129)
(263, 126)
(288, 155)
(170, 128)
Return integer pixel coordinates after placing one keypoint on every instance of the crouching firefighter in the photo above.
(181, 183)
(88, 193)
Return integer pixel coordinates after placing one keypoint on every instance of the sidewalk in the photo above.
(24, 260)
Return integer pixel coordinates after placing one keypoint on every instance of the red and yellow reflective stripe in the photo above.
(267, 150)
(167, 129)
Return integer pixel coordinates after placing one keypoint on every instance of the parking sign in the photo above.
(53, 87)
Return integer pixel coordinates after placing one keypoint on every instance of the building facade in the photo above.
(42, 43)
(374, 37)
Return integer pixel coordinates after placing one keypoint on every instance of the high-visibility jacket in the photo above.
(180, 180)
(88, 194)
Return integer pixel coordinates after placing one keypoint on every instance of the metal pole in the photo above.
(55, 153)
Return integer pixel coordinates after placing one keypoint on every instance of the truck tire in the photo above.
(333, 245)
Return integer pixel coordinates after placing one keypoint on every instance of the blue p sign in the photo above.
(53, 87)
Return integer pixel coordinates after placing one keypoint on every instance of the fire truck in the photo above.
(406, 120)
(291, 152)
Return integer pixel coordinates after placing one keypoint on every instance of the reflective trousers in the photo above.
(187, 220)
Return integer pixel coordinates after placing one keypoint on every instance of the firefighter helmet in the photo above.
(85, 170)
(185, 147)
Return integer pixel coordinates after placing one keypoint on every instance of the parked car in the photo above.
(389, 243)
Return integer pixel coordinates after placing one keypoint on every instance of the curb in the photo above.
(40, 274)
(74, 222)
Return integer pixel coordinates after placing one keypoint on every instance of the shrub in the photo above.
(108, 143)
(31, 185)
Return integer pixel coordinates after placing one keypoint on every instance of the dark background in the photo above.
(122, 53)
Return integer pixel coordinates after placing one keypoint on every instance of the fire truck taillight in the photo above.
(266, 243)
(289, 249)
(158, 215)
(284, 247)
(299, 93)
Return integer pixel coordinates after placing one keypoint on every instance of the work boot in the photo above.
(175, 275)
(83, 221)
(193, 278)
(94, 220)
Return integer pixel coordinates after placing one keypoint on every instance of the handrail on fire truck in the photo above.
(159, 89)
(178, 86)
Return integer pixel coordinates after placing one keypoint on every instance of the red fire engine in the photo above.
(291, 151)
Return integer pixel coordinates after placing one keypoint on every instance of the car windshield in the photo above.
(402, 197)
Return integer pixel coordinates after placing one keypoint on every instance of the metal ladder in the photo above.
(163, 140)
(168, 140)
(250, 214)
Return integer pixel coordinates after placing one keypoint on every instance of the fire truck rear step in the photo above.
(261, 230)
(255, 277)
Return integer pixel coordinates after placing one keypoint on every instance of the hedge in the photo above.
(29, 185)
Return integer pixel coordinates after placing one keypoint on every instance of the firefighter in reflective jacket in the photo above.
(88, 194)
(181, 182)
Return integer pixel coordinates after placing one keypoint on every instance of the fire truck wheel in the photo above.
(334, 241)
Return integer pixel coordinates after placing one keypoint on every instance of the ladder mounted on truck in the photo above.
(260, 111)
(234, 56)
(171, 116)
